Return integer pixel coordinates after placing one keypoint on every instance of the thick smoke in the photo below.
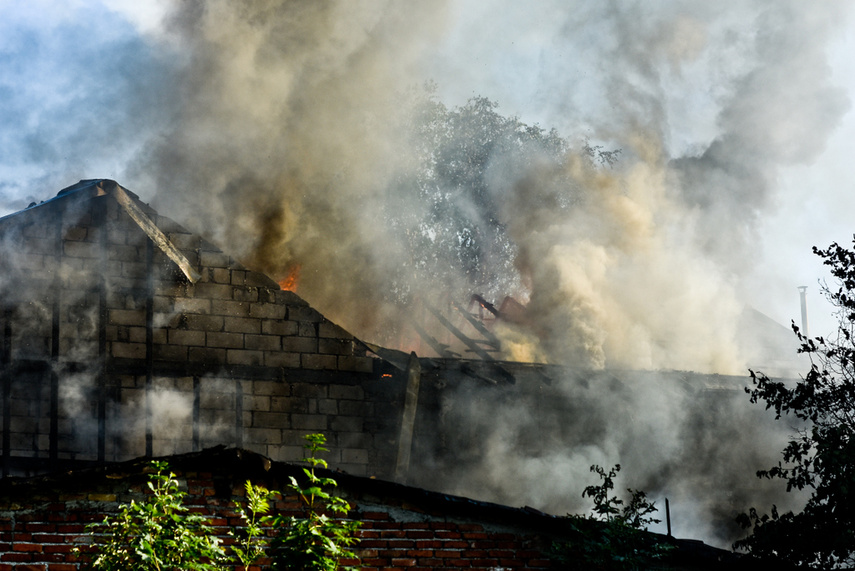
(278, 129)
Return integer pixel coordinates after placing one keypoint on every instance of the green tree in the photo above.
(157, 534)
(820, 457)
(448, 212)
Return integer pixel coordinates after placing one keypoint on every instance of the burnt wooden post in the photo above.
(56, 305)
(100, 219)
(149, 344)
(408, 418)
(238, 413)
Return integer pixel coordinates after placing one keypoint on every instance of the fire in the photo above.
(289, 282)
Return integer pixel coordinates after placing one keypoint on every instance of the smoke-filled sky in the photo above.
(275, 128)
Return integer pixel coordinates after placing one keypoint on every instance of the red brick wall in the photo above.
(43, 520)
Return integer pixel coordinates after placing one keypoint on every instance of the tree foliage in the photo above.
(449, 211)
(820, 457)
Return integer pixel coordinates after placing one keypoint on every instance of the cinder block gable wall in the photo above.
(111, 351)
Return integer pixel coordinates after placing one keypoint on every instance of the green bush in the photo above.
(613, 537)
(157, 534)
(318, 539)
(161, 534)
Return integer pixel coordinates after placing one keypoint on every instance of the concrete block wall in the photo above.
(123, 350)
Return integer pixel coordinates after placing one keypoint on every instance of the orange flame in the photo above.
(289, 282)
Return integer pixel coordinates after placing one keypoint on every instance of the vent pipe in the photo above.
(802, 290)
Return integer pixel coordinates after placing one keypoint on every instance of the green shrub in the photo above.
(157, 534)
(318, 539)
(613, 537)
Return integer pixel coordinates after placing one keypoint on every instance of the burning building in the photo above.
(126, 335)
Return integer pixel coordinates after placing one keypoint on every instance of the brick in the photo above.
(204, 322)
(218, 259)
(328, 406)
(224, 340)
(241, 325)
(330, 330)
(225, 307)
(355, 408)
(184, 240)
(297, 313)
(260, 280)
(356, 364)
(192, 305)
(262, 342)
(80, 249)
(354, 456)
(318, 362)
(244, 357)
(271, 388)
(307, 329)
(184, 337)
(300, 345)
(170, 352)
(263, 435)
(347, 423)
(128, 350)
(127, 317)
(219, 275)
(309, 422)
(281, 359)
(207, 355)
(351, 392)
(267, 310)
(213, 290)
(290, 404)
(279, 327)
(245, 294)
(335, 347)
(271, 420)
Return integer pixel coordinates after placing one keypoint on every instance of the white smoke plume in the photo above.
(276, 128)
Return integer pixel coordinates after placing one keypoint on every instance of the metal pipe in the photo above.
(803, 298)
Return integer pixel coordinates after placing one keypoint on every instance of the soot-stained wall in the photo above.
(123, 335)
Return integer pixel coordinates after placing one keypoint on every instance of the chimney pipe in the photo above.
(802, 290)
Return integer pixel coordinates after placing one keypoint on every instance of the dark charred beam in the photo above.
(149, 344)
(100, 215)
(485, 304)
(491, 373)
(398, 359)
(441, 349)
(473, 346)
(488, 335)
(53, 453)
(408, 419)
(238, 414)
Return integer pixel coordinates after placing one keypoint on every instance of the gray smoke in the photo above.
(276, 129)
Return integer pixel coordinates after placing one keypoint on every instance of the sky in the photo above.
(98, 88)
